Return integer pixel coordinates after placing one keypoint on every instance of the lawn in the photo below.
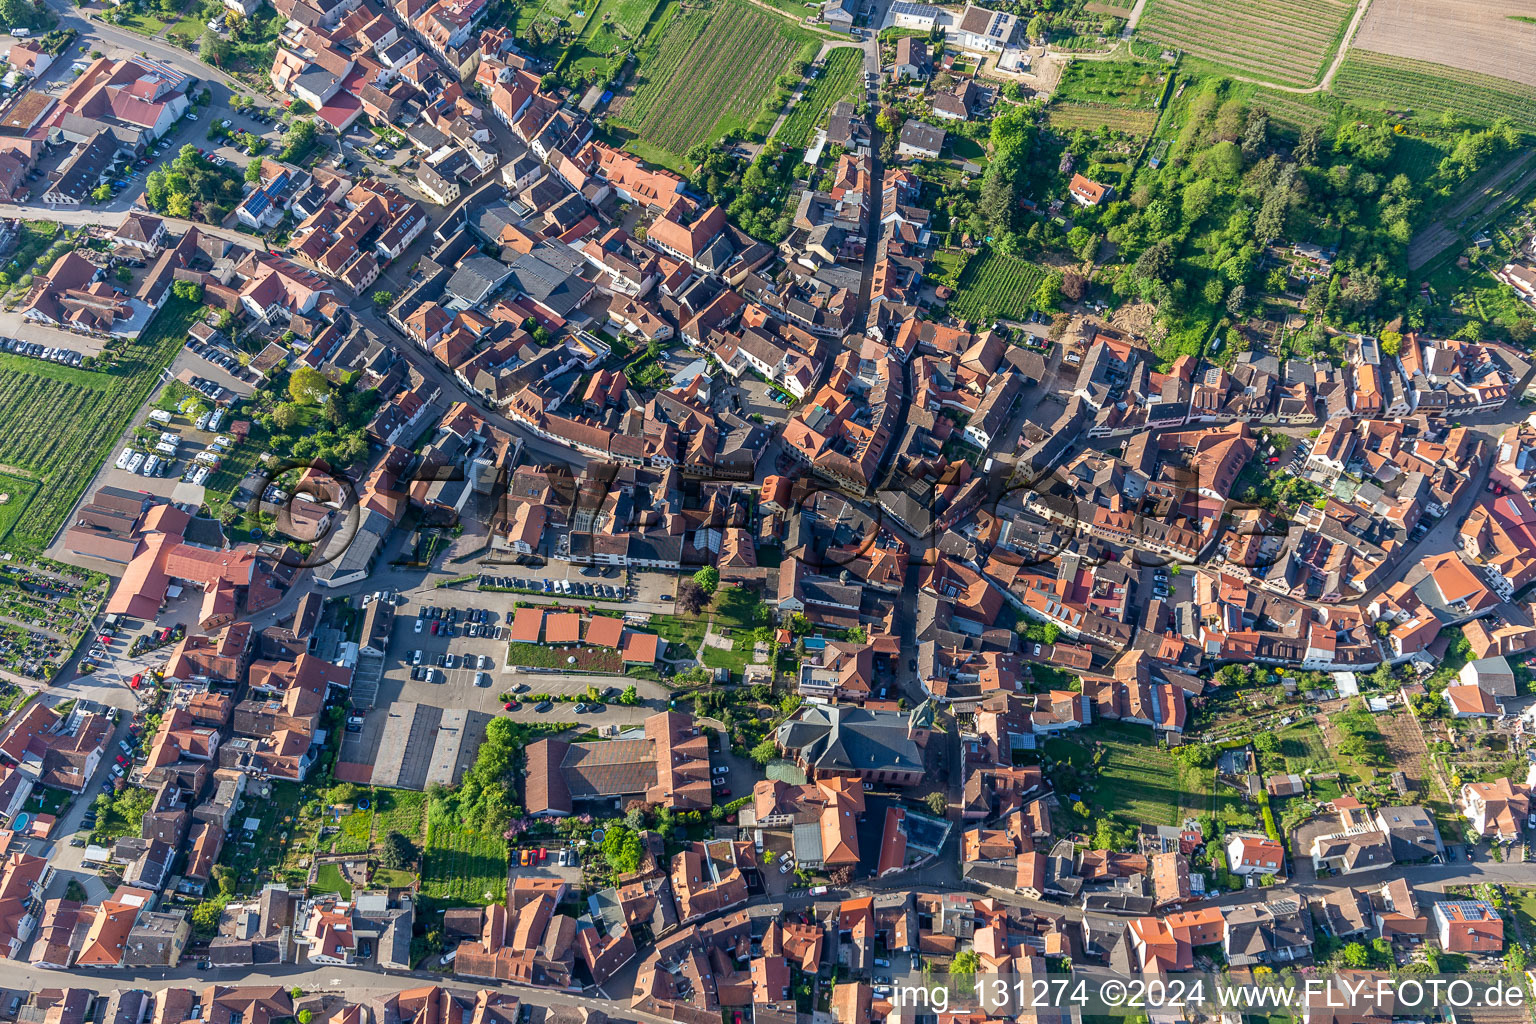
(993, 285)
(734, 610)
(328, 878)
(59, 423)
(713, 70)
(839, 78)
(1523, 903)
(459, 866)
(1136, 781)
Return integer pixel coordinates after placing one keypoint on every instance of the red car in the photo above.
(104, 639)
(543, 854)
(121, 759)
(138, 677)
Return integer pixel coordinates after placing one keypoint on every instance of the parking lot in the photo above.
(443, 680)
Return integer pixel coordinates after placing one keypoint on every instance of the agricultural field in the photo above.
(460, 866)
(1423, 91)
(839, 78)
(1093, 116)
(57, 424)
(993, 285)
(712, 71)
(1290, 42)
(1490, 37)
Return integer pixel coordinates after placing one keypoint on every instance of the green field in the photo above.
(18, 490)
(400, 810)
(1136, 781)
(712, 72)
(59, 423)
(993, 285)
(460, 866)
(1425, 91)
(1303, 748)
(1111, 82)
(1285, 41)
(616, 24)
(839, 77)
(356, 835)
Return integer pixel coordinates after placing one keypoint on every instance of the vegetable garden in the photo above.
(994, 285)
(839, 77)
(58, 424)
(713, 70)
(1284, 41)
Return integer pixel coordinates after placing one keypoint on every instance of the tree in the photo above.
(1049, 293)
(205, 917)
(305, 1016)
(765, 751)
(963, 967)
(191, 291)
(213, 48)
(630, 697)
(1156, 263)
(179, 205)
(690, 597)
(399, 853)
(708, 579)
(298, 138)
(308, 386)
(285, 416)
(253, 172)
(938, 804)
(1266, 743)
(1356, 955)
(1391, 342)
(384, 298)
(17, 13)
(1237, 298)
(101, 193)
(1308, 145)
(124, 275)
(622, 849)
